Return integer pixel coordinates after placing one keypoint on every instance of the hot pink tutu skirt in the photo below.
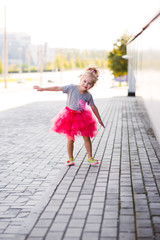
(74, 123)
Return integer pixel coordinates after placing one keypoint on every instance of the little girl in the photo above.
(76, 119)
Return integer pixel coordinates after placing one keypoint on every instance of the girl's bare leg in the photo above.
(70, 148)
(88, 146)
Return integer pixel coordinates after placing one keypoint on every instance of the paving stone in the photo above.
(109, 232)
(97, 211)
(111, 215)
(62, 218)
(111, 208)
(83, 208)
(71, 238)
(43, 223)
(11, 229)
(54, 235)
(44, 199)
(155, 205)
(142, 215)
(65, 211)
(127, 227)
(79, 215)
(48, 215)
(38, 232)
(78, 223)
(155, 212)
(157, 236)
(127, 218)
(90, 235)
(94, 218)
(157, 227)
(3, 225)
(144, 223)
(127, 236)
(126, 211)
(34, 238)
(91, 227)
(58, 227)
(110, 223)
(108, 238)
(6, 236)
(156, 220)
(73, 232)
(144, 232)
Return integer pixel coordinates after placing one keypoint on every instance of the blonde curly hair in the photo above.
(93, 71)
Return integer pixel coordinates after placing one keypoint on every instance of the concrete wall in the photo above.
(144, 60)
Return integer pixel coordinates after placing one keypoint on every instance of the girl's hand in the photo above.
(38, 88)
(100, 121)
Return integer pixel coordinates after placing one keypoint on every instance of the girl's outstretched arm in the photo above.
(96, 112)
(56, 88)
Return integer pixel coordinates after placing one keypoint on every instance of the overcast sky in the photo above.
(84, 24)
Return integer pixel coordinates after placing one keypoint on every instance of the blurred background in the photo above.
(50, 43)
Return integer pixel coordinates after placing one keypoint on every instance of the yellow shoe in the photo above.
(92, 161)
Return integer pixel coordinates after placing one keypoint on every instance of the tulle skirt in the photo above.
(74, 123)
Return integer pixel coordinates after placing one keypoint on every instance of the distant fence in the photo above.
(143, 52)
(121, 78)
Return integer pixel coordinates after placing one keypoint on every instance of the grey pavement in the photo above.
(42, 198)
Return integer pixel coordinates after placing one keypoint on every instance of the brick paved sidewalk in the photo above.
(119, 199)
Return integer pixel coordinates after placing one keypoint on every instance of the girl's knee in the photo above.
(70, 141)
(86, 139)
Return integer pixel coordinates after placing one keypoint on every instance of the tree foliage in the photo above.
(14, 68)
(116, 63)
(0, 66)
(68, 59)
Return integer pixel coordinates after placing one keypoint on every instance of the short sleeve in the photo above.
(91, 101)
(67, 88)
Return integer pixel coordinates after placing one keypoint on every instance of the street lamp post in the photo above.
(41, 64)
(131, 77)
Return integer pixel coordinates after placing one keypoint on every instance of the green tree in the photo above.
(48, 67)
(0, 66)
(64, 63)
(117, 64)
(25, 67)
(34, 69)
(58, 61)
(14, 68)
(71, 63)
(78, 63)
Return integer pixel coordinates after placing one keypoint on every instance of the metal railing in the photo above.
(144, 28)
